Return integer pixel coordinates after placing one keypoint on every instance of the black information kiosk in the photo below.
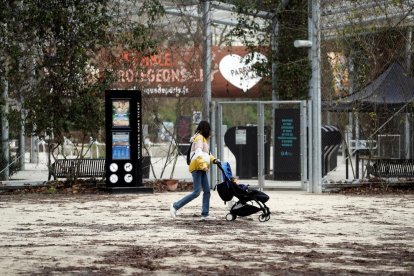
(123, 141)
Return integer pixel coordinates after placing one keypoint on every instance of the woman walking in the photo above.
(198, 167)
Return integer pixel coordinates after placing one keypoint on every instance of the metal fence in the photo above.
(264, 142)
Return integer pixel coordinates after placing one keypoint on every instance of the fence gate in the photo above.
(264, 142)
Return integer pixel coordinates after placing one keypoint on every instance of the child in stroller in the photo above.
(250, 201)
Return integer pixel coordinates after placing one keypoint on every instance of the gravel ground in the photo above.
(308, 234)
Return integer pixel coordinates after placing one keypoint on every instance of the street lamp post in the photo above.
(314, 116)
(315, 96)
(206, 59)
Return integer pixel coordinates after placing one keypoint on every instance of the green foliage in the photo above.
(51, 190)
(293, 70)
(68, 35)
(52, 51)
(373, 52)
(232, 115)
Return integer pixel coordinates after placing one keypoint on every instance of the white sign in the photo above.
(128, 167)
(239, 71)
(241, 137)
(113, 178)
(113, 167)
(128, 178)
(196, 117)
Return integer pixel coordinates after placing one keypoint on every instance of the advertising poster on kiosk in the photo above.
(120, 113)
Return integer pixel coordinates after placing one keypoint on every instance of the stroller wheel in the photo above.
(230, 217)
(267, 217)
(263, 218)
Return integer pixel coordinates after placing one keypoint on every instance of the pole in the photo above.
(407, 127)
(408, 49)
(260, 145)
(22, 112)
(22, 140)
(219, 135)
(309, 109)
(206, 59)
(303, 147)
(5, 128)
(213, 143)
(274, 45)
(4, 113)
(316, 97)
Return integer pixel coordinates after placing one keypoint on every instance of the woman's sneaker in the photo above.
(208, 218)
(173, 211)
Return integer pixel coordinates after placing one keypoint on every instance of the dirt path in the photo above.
(134, 235)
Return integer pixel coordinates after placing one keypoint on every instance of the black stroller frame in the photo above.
(246, 198)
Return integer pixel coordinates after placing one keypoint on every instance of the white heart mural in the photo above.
(239, 73)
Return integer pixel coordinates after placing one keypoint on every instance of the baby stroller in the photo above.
(250, 201)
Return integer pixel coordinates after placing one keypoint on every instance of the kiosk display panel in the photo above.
(121, 146)
(120, 113)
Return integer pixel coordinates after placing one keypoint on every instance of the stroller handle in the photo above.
(219, 166)
(222, 170)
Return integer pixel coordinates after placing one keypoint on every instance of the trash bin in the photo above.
(242, 142)
(331, 141)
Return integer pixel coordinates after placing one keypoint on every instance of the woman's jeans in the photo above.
(200, 181)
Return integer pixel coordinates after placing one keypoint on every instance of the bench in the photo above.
(66, 168)
(390, 167)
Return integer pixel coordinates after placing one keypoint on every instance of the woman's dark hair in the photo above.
(204, 129)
